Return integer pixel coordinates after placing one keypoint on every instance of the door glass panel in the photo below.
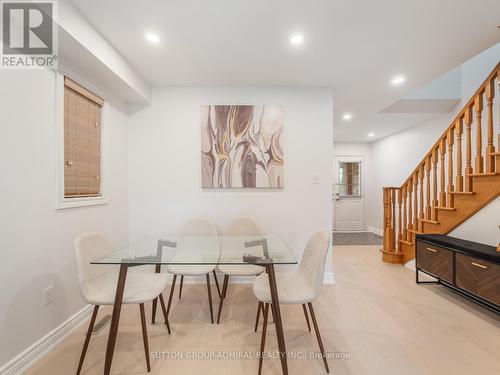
(349, 179)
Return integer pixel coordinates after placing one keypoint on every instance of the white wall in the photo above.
(87, 38)
(36, 241)
(352, 148)
(482, 227)
(395, 157)
(165, 177)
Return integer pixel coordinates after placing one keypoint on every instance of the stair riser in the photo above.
(487, 188)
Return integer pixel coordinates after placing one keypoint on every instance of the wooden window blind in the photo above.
(82, 141)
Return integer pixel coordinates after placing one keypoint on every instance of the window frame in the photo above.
(359, 184)
(63, 202)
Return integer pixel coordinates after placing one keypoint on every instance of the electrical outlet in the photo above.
(315, 179)
(49, 295)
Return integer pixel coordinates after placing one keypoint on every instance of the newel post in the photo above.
(388, 226)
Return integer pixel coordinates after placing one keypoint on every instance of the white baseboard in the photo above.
(349, 231)
(23, 361)
(378, 231)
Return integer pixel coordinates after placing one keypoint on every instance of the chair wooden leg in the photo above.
(307, 317)
(171, 295)
(165, 315)
(263, 339)
(258, 316)
(87, 339)
(224, 288)
(153, 311)
(217, 284)
(180, 288)
(145, 336)
(210, 298)
(318, 336)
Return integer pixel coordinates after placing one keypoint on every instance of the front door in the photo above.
(348, 195)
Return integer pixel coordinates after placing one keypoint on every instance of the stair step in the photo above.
(429, 221)
(444, 208)
(462, 192)
(415, 231)
(406, 242)
(483, 174)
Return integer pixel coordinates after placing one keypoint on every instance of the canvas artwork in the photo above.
(242, 146)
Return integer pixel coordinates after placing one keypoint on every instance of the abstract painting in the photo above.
(242, 146)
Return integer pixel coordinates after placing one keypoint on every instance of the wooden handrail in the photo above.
(441, 174)
(470, 103)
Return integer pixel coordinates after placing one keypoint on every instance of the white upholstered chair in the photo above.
(201, 228)
(239, 227)
(98, 284)
(298, 287)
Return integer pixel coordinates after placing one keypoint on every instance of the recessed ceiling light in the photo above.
(347, 116)
(297, 39)
(398, 80)
(153, 38)
(371, 135)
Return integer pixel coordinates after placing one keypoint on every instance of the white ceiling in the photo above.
(353, 46)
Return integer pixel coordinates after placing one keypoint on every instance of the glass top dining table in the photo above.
(266, 251)
(185, 250)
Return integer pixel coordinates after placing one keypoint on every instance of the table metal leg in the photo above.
(155, 301)
(210, 298)
(307, 318)
(145, 336)
(217, 284)
(275, 306)
(115, 319)
(263, 338)
(221, 301)
(165, 315)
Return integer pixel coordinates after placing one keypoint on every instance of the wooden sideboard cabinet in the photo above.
(470, 268)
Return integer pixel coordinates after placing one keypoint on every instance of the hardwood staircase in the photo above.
(467, 183)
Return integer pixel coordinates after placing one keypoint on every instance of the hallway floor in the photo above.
(375, 315)
(359, 238)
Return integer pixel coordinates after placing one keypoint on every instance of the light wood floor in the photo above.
(375, 312)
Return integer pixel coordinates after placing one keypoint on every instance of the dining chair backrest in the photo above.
(313, 260)
(90, 247)
(243, 226)
(199, 227)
